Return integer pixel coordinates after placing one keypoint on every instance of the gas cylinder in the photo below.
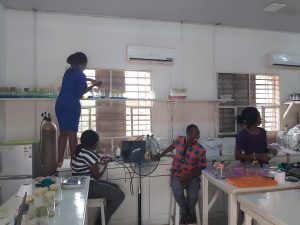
(48, 145)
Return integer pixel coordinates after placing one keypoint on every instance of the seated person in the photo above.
(251, 142)
(188, 162)
(88, 163)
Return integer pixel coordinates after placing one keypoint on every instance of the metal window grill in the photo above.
(118, 118)
(258, 90)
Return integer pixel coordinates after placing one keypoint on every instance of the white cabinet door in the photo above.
(160, 198)
(127, 213)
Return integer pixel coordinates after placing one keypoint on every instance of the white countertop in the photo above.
(70, 210)
(279, 207)
(231, 189)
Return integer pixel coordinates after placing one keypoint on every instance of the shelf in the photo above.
(125, 99)
(28, 99)
(291, 102)
(202, 100)
(117, 99)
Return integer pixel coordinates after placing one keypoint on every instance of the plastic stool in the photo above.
(98, 202)
(175, 211)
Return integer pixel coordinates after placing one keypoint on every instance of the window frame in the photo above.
(129, 103)
(262, 107)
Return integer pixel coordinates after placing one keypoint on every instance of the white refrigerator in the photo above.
(18, 164)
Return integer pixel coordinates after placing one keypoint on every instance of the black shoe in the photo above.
(192, 219)
(183, 219)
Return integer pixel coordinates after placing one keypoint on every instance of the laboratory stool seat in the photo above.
(175, 211)
(98, 202)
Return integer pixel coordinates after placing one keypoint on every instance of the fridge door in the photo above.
(10, 186)
(15, 160)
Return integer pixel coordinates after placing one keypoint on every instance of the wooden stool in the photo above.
(98, 202)
(175, 211)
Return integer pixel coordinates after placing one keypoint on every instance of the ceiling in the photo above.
(236, 13)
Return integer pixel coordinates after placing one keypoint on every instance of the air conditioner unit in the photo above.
(283, 59)
(150, 54)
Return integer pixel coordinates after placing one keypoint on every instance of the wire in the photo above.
(40, 147)
(131, 177)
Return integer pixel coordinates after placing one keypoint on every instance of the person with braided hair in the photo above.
(67, 106)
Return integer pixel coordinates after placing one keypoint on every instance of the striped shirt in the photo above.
(194, 159)
(82, 163)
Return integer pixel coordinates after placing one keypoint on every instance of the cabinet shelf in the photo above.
(27, 99)
(124, 99)
(201, 100)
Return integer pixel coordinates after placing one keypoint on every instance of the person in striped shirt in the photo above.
(188, 162)
(87, 162)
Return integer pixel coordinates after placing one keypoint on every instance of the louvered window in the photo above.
(125, 109)
(259, 90)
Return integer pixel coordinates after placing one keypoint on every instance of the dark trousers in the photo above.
(186, 203)
(111, 192)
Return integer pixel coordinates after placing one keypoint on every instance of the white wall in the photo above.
(2, 44)
(244, 51)
(2, 65)
(201, 51)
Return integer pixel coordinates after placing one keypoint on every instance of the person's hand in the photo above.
(104, 160)
(273, 151)
(97, 83)
(185, 179)
(263, 157)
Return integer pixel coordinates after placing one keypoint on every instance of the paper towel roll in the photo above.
(279, 176)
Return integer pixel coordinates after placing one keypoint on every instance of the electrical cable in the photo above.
(131, 176)
(40, 147)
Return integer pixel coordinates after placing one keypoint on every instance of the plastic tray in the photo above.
(251, 181)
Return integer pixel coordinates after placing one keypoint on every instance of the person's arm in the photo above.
(240, 156)
(82, 84)
(95, 84)
(95, 172)
(166, 151)
(240, 146)
(90, 79)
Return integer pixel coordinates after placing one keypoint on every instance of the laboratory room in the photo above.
(149, 112)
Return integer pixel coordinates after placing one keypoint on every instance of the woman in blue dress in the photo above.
(67, 106)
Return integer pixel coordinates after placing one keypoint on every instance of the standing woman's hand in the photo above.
(97, 83)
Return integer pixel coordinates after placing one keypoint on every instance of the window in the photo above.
(259, 90)
(138, 113)
(115, 118)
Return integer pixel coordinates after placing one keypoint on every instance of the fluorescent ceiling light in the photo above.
(274, 7)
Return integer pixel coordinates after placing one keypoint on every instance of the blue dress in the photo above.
(67, 106)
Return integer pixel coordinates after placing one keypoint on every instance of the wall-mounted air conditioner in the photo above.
(150, 54)
(283, 59)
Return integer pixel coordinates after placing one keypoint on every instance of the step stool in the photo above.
(98, 202)
(175, 211)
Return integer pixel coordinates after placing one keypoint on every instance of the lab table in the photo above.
(71, 208)
(271, 208)
(233, 193)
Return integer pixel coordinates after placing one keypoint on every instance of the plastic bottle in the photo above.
(285, 138)
(286, 129)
